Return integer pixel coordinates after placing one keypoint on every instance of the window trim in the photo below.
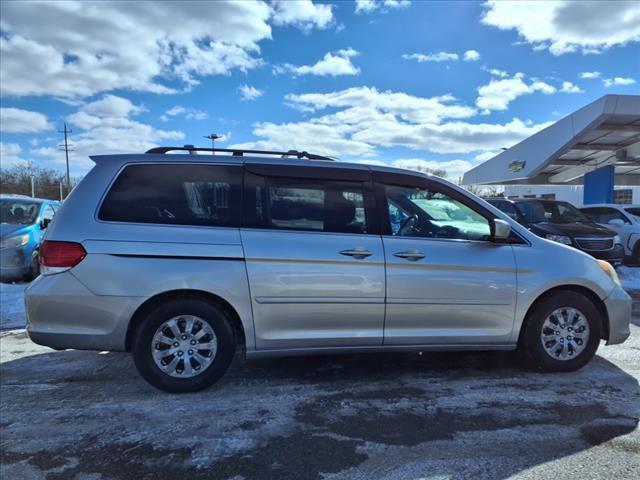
(253, 180)
(103, 196)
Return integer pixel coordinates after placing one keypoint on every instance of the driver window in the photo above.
(420, 212)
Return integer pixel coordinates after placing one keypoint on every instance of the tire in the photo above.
(34, 268)
(158, 354)
(536, 323)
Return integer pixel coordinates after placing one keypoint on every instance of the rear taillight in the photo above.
(56, 257)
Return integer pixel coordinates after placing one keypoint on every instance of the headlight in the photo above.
(609, 270)
(616, 240)
(559, 238)
(14, 242)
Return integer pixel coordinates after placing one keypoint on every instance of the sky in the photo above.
(406, 83)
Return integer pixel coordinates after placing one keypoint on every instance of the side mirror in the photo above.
(44, 223)
(501, 230)
(618, 222)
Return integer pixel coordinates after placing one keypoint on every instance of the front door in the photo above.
(447, 283)
(315, 266)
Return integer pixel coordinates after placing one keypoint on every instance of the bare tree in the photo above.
(485, 190)
(17, 180)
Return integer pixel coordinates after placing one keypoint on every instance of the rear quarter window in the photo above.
(201, 195)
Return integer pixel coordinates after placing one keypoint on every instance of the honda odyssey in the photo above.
(186, 260)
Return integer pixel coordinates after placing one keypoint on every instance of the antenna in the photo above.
(66, 149)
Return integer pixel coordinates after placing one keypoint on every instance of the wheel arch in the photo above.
(151, 303)
(590, 294)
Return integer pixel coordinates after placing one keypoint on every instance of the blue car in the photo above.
(23, 224)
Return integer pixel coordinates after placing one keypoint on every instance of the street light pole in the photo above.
(33, 190)
(213, 137)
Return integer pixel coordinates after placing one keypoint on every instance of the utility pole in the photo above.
(213, 137)
(66, 153)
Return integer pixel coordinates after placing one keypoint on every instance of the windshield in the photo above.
(18, 211)
(551, 212)
(635, 211)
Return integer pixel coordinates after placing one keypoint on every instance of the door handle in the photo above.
(411, 254)
(357, 252)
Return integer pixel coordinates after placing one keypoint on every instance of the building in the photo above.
(596, 147)
(570, 193)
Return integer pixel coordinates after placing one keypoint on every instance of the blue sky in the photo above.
(405, 83)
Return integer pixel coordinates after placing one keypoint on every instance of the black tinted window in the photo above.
(175, 194)
(317, 205)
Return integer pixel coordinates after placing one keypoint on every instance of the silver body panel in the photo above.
(306, 294)
(460, 292)
(294, 292)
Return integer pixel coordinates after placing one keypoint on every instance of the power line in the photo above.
(66, 149)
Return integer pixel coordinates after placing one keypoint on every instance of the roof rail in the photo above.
(239, 152)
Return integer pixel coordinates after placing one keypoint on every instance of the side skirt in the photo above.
(256, 354)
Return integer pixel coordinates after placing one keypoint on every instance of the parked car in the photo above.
(186, 260)
(563, 223)
(622, 219)
(23, 221)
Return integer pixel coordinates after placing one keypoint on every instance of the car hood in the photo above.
(13, 229)
(572, 229)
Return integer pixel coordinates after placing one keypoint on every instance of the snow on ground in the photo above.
(12, 305)
(629, 277)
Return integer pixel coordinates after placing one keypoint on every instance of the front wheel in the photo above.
(184, 345)
(562, 332)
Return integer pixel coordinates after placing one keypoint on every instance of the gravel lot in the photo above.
(85, 415)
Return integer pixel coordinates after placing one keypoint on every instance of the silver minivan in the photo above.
(189, 259)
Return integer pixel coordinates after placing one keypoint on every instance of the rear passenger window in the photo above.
(207, 195)
(317, 205)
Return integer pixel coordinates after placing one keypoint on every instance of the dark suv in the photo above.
(563, 223)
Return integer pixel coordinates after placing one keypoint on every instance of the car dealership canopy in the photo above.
(598, 145)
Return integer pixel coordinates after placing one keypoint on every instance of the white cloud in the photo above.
(87, 48)
(431, 57)
(247, 92)
(497, 94)
(16, 120)
(471, 56)
(365, 119)
(332, 64)
(454, 168)
(590, 75)
(617, 81)
(407, 107)
(368, 6)
(105, 126)
(568, 87)
(187, 112)
(498, 73)
(10, 154)
(302, 13)
(568, 26)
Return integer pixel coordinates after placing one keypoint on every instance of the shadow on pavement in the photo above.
(449, 414)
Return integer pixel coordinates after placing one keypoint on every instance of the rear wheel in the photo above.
(562, 332)
(184, 345)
